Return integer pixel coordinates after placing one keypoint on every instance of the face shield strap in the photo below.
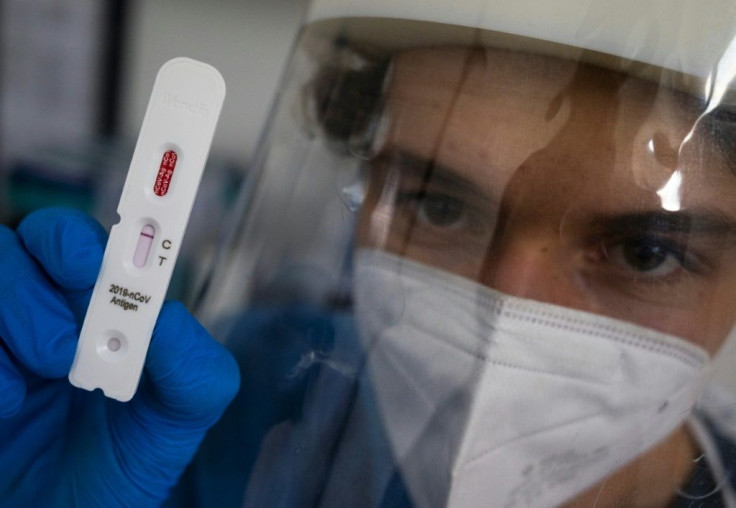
(712, 479)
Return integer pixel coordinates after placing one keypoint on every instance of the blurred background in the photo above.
(75, 77)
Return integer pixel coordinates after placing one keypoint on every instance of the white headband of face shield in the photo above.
(485, 396)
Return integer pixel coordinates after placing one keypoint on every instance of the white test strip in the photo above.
(154, 209)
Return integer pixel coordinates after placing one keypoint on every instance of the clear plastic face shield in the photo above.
(487, 258)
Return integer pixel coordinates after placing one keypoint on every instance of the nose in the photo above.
(536, 265)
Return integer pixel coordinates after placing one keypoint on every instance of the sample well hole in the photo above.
(114, 344)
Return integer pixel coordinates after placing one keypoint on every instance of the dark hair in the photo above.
(346, 96)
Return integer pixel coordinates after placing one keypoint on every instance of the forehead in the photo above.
(486, 112)
(522, 82)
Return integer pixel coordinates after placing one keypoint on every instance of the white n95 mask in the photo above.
(489, 399)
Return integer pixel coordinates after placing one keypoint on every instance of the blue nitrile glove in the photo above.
(61, 446)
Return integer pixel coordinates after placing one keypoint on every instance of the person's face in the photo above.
(558, 182)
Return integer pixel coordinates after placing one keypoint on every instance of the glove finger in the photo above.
(67, 243)
(188, 382)
(191, 375)
(12, 386)
(36, 323)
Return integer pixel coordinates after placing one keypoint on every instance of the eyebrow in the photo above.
(691, 222)
(429, 171)
(701, 222)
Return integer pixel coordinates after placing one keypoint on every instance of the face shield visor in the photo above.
(486, 257)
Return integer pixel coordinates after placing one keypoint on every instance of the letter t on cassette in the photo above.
(154, 209)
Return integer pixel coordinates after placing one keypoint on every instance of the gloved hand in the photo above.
(61, 446)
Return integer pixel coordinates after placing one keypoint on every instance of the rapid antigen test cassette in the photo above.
(154, 208)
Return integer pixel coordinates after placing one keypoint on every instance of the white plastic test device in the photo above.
(154, 209)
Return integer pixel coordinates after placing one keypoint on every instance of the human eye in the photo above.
(431, 204)
(651, 258)
(435, 210)
(654, 248)
(440, 226)
(431, 212)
